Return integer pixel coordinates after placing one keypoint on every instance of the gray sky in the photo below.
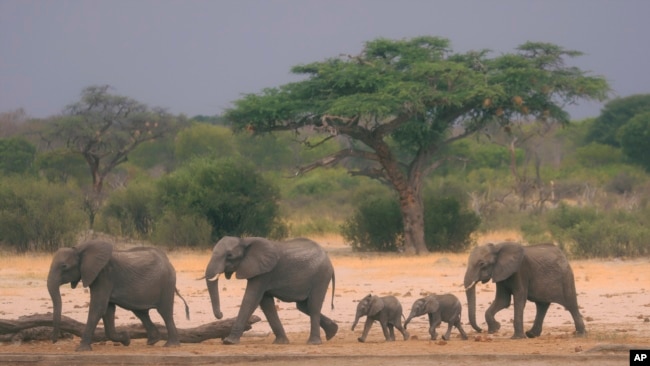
(196, 57)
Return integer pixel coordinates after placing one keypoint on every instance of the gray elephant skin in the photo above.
(138, 279)
(540, 273)
(439, 308)
(297, 270)
(387, 310)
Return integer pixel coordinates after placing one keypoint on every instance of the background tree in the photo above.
(615, 114)
(403, 101)
(104, 128)
(635, 138)
(16, 155)
(228, 193)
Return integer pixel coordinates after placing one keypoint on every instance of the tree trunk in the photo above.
(14, 329)
(413, 217)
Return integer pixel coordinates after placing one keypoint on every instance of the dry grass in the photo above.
(25, 266)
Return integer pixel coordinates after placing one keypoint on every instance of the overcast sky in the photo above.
(196, 57)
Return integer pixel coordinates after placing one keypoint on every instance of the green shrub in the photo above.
(130, 211)
(586, 232)
(447, 226)
(228, 193)
(36, 215)
(175, 231)
(377, 225)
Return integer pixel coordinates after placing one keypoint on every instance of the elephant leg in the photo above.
(434, 323)
(402, 330)
(252, 298)
(366, 329)
(459, 326)
(96, 310)
(153, 335)
(520, 304)
(109, 327)
(387, 331)
(268, 307)
(501, 301)
(536, 330)
(447, 335)
(167, 313)
(329, 326)
(432, 327)
(577, 319)
(391, 330)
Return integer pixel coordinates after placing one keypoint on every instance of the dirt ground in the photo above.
(614, 296)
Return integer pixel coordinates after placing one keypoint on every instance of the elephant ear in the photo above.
(376, 305)
(93, 256)
(509, 258)
(431, 305)
(261, 256)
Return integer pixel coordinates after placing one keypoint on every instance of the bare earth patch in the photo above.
(614, 296)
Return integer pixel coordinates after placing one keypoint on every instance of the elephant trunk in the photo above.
(408, 320)
(471, 307)
(213, 290)
(53, 288)
(356, 320)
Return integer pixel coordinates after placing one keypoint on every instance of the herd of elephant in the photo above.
(300, 271)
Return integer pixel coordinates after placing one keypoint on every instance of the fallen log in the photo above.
(39, 327)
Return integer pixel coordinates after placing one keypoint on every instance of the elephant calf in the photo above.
(440, 308)
(387, 310)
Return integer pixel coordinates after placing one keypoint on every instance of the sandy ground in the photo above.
(614, 296)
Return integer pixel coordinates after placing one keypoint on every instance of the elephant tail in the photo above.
(333, 288)
(187, 308)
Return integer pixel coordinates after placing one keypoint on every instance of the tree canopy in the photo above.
(402, 101)
(615, 114)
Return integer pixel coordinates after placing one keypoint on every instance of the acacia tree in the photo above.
(402, 101)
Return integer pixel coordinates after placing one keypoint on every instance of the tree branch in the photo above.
(335, 158)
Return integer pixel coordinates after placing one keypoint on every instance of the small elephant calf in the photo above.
(387, 310)
(440, 308)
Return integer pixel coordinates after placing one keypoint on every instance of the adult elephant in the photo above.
(539, 273)
(297, 271)
(138, 279)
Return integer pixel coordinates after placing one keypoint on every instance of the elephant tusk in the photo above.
(216, 277)
(470, 286)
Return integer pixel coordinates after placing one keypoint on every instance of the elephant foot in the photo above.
(494, 328)
(582, 334)
(445, 338)
(83, 347)
(315, 341)
(281, 340)
(518, 336)
(406, 335)
(533, 334)
(231, 340)
(125, 339)
(330, 332)
(360, 339)
(172, 344)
